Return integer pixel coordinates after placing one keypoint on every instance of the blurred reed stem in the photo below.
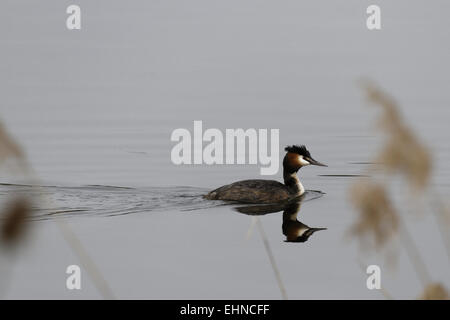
(77, 247)
(251, 227)
(383, 291)
(414, 255)
(87, 262)
(272, 259)
(442, 218)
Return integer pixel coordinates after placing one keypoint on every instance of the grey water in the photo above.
(94, 110)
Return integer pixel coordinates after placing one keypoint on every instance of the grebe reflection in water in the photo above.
(293, 229)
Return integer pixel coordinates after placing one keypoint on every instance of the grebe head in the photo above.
(297, 157)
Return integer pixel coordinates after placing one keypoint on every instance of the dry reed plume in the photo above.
(377, 222)
(10, 150)
(15, 213)
(435, 291)
(14, 221)
(402, 153)
(8, 147)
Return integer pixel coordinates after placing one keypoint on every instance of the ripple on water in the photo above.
(102, 200)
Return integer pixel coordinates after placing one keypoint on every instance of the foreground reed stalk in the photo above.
(86, 260)
(414, 256)
(442, 218)
(383, 290)
(271, 259)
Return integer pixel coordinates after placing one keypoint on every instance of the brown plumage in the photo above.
(251, 191)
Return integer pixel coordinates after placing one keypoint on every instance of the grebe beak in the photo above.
(316, 163)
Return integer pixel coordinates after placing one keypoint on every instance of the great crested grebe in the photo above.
(270, 191)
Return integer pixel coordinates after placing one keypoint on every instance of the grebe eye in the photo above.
(304, 161)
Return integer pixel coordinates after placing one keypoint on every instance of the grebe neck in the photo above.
(293, 183)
